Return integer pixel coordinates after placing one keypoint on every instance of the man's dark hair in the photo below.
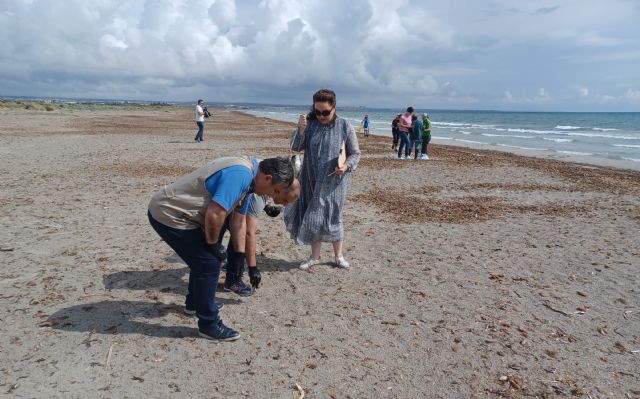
(414, 117)
(280, 169)
(200, 101)
(410, 110)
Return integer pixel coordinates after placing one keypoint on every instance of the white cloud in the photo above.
(632, 95)
(376, 52)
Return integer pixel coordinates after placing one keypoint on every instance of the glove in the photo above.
(218, 250)
(272, 211)
(254, 276)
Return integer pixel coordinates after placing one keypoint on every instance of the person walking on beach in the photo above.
(189, 213)
(395, 126)
(243, 224)
(326, 139)
(415, 136)
(365, 124)
(403, 130)
(426, 136)
(200, 121)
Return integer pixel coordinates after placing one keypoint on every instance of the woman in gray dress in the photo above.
(317, 215)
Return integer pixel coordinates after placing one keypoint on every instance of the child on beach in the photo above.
(395, 131)
(415, 135)
(426, 136)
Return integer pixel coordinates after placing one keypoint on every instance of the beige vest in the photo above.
(182, 204)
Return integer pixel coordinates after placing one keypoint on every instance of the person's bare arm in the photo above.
(252, 226)
(213, 220)
(238, 228)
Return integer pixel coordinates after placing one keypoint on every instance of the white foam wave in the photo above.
(575, 153)
(604, 129)
(632, 159)
(532, 131)
(464, 132)
(609, 136)
(469, 141)
(627, 145)
(569, 127)
(506, 135)
(558, 140)
(450, 124)
(523, 148)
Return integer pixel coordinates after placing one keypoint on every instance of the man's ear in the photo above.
(268, 178)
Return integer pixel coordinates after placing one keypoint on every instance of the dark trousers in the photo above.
(425, 145)
(200, 131)
(191, 246)
(404, 142)
(396, 136)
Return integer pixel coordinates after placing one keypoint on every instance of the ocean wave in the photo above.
(569, 127)
(608, 136)
(523, 148)
(575, 153)
(450, 124)
(464, 132)
(469, 141)
(507, 135)
(626, 145)
(532, 131)
(558, 140)
(604, 129)
(632, 159)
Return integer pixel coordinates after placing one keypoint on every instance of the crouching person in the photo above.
(242, 245)
(189, 213)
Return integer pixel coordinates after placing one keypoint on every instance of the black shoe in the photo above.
(239, 288)
(219, 331)
(191, 310)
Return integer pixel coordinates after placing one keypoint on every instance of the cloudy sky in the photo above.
(556, 55)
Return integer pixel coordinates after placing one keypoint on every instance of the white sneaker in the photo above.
(424, 157)
(341, 262)
(400, 159)
(308, 263)
(408, 157)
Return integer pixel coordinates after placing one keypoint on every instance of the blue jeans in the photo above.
(191, 246)
(200, 131)
(414, 144)
(404, 142)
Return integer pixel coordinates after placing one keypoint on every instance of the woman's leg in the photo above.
(337, 248)
(315, 249)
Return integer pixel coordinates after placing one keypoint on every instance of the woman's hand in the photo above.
(341, 170)
(302, 123)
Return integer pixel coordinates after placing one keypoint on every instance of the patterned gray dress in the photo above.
(317, 214)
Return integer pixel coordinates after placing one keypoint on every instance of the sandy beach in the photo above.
(476, 274)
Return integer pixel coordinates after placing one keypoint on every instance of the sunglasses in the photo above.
(326, 112)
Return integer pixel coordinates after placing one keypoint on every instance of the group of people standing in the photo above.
(409, 132)
(192, 213)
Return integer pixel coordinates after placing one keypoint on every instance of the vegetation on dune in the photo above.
(72, 105)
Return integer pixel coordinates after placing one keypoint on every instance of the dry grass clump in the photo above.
(147, 170)
(468, 209)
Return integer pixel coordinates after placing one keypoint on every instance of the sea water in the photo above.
(613, 136)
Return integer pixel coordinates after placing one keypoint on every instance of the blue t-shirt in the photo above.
(366, 123)
(229, 184)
